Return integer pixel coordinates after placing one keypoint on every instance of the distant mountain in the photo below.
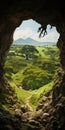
(31, 41)
(19, 41)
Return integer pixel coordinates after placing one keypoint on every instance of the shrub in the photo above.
(34, 78)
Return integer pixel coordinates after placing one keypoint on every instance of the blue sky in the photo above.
(29, 28)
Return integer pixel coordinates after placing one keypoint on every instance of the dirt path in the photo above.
(27, 103)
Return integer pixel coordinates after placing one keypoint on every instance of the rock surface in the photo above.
(12, 13)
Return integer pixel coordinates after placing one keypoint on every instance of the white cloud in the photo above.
(22, 33)
(50, 37)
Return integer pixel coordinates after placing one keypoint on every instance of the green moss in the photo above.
(7, 108)
(21, 93)
(36, 98)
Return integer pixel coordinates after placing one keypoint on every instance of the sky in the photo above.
(29, 28)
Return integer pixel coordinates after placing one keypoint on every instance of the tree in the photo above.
(35, 77)
(28, 50)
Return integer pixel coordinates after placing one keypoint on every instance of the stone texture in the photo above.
(12, 13)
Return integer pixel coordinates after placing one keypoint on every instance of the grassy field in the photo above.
(21, 93)
(34, 75)
(38, 95)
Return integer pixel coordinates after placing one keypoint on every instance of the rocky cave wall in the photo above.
(13, 12)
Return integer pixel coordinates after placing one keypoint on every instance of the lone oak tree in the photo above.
(28, 50)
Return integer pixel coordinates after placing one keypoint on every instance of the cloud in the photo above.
(51, 37)
(22, 33)
(28, 32)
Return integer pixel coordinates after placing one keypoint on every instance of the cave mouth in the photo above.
(31, 74)
(12, 14)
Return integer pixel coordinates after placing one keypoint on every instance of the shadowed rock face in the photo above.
(13, 12)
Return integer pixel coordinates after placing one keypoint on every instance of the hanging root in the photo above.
(51, 27)
(43, 30)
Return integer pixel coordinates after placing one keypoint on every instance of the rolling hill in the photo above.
(31, 41)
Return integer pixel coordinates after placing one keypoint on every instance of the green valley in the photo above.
(33, 76)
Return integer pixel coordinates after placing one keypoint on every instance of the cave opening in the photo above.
(49, 114)
(32, 62)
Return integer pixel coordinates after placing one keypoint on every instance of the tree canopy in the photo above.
(28, 51)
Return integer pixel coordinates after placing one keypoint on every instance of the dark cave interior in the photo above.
(12, 13)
